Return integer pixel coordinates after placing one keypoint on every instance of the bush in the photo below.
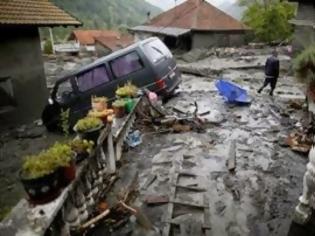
(270, 22)
(304, 65)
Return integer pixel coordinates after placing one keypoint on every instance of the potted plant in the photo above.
(63, 157)
(82, 148)
(41, 174)
(128, 90)
(99, 103)
(129, 104)
(119, 108)
(89, 128)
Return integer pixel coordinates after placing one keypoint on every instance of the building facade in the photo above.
(23, 90)
(194, 24)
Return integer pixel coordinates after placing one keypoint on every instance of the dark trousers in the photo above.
(271, 81)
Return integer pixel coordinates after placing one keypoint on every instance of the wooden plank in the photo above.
(189, 203)
(231, 161)
(170, 207)
(151, 178)
(206, 222)
(111, 154)
(192, 188)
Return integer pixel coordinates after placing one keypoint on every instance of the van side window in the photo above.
(126, 64)
(92, 78)
(156, 51)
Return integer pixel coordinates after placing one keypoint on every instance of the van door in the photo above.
(133, 67)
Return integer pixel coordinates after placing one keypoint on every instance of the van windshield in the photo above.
(156, 51)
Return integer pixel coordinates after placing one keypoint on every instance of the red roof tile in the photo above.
(34, 12)
(87, 37)
(115, 44)
(197, 15)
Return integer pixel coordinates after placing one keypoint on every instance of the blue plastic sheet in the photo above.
(232, 93)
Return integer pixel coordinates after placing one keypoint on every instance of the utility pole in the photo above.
(52, 40)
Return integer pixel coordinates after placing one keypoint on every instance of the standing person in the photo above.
(271, 72)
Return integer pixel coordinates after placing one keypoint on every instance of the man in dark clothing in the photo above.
(271, 72)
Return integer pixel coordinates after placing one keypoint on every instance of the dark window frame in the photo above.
(89, 70)
(118, 77)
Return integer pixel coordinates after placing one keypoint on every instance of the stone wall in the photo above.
(21, 60)
(217, 39)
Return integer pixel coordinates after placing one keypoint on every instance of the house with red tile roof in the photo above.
(194, 24)
(101, 41)
(105, 46)
(23, 90)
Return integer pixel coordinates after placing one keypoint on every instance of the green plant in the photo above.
(119, 103)
(46, 162)
(88, 123)
(48, 47)
(128, 90)
(304, 65)
(81, 146)
(270, 21)
(64, 117)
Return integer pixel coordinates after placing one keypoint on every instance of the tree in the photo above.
(269, 19)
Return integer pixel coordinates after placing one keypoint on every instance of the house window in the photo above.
(6, 92)
(92, 78)
(126, 64)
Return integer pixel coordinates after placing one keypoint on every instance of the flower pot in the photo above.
(68, 173)
(119, 111)
(129, 105)
(43, 189)
(92, 134)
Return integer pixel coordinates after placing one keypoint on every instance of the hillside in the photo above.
(107, 14)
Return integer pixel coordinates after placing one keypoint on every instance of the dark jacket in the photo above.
(272, 67)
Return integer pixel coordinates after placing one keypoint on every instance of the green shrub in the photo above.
(48, 47)
(304, 65)
(270, 21)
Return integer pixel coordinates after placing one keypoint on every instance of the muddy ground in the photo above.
(257, 199)
(260, 196)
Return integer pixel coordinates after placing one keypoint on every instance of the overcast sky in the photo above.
(167, 4)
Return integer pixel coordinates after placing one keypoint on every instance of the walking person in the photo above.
(272, 67)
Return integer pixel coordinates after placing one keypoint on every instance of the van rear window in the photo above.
(126, 64)
(156, 51)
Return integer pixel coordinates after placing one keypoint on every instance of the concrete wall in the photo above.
(217, 39)
(21, 59)
(101, 51)
(304, 35)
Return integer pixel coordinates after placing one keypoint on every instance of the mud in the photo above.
(259, 198)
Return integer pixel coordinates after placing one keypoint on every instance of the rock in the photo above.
(33, 133)
(214, 117)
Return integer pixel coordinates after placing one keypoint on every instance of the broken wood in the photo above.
(193, 188)
(156, 199)
(133, 211)
(231, 161)
(95, 219)
(151, 178)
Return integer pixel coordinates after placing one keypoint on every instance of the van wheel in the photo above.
(51, 117)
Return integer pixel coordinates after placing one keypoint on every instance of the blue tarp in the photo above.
(232, 93)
